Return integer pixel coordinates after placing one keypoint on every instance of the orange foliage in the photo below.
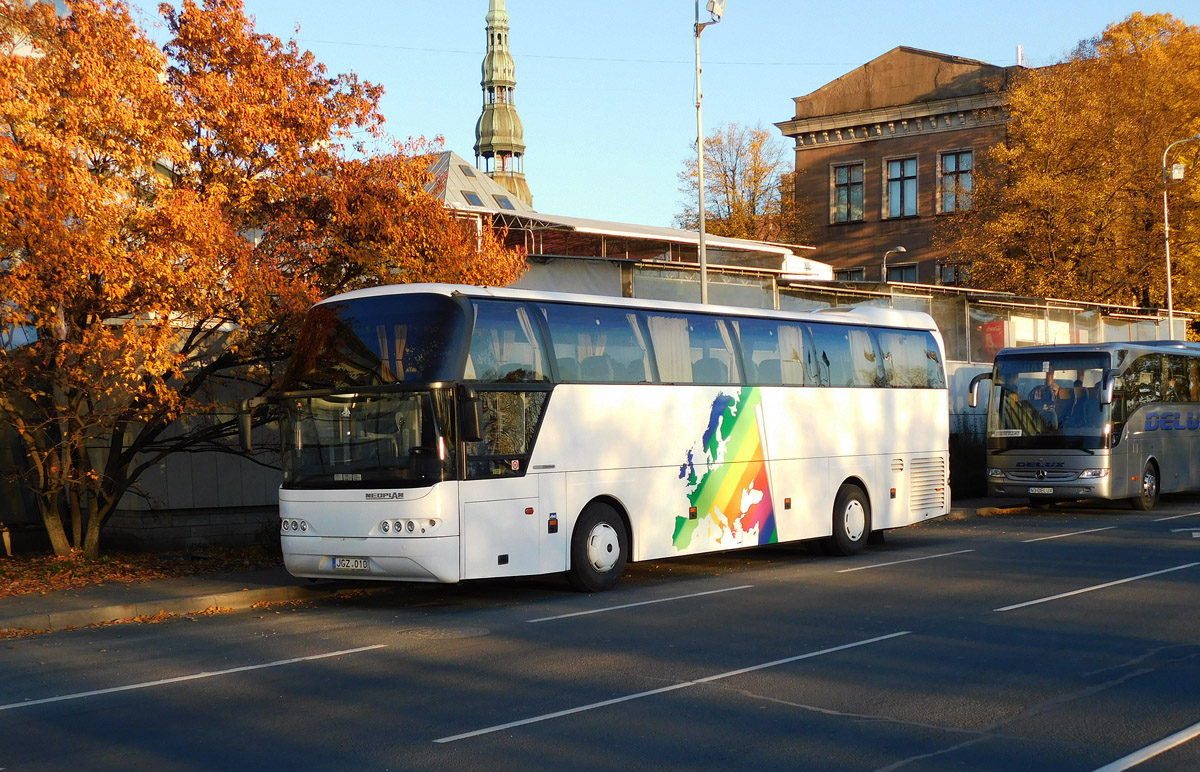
(165, 218)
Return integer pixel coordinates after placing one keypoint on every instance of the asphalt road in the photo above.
(1062, 640)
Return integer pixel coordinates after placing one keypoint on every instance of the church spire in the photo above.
(498, 140)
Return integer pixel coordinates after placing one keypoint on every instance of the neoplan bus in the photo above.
(1103, 421)
(443, 433)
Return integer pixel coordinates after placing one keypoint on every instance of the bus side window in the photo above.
(1194, 379)
(505, 346)
(829, 360)
(772, 353)
(1143, 382)
(1175, 384)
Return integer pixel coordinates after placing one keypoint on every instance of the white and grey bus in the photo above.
(444, 433)
(1103, 421)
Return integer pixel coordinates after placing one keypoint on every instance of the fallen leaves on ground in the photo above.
(21, 575)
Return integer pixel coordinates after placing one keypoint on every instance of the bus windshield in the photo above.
(1041, 401)
(393, 439)
(376, 341)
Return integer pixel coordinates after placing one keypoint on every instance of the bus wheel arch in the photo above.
(1150, 488)
(600, 545)
(851, 520)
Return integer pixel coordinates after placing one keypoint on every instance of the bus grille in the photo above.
(928, 485)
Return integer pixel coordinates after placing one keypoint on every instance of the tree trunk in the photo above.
(52, 519)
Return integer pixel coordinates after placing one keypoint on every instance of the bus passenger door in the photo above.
(500, 527)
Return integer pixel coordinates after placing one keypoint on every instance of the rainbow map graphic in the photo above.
(732, 495)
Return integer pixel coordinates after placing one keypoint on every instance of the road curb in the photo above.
(237, 600)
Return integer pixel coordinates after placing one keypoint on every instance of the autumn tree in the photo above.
(1071, 205)
(748, 189)
(165, 219)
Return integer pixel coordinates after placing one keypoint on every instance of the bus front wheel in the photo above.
(1148, 497)
(599, 549)
(851, 522)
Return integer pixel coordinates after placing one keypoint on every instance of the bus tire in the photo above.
(599, 549)
(1148, 497)
(851, 522)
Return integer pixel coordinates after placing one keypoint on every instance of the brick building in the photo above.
(884, 150)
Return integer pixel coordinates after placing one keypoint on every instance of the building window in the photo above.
(472, 198)
(467, 170)
(956, 180)
(504, 202)
(902, 273)
(902, 187)
(848, 193)
(851, 274)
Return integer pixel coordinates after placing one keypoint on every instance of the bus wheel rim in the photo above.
(1149, 483)
(603, 548)
(855, 520)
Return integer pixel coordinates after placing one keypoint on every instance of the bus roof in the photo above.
(874, 316)
(1144, 346)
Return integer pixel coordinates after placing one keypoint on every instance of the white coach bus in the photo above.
(442, 433)
(1102, 421)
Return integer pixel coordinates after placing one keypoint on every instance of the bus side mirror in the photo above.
(973, 392)
(471, 416)
(1106, 389)
(246, 410)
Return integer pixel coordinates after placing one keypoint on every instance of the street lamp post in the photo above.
(1167, 234)
(716, 9)
(894, 251)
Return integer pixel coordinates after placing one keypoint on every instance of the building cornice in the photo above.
(953, 114)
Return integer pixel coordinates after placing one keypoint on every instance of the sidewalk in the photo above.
(62, 609)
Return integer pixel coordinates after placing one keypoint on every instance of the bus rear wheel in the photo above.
(599, 549)
(851, 522)
(1148, 497)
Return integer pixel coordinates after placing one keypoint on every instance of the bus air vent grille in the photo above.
(897, 465)
(928, 485)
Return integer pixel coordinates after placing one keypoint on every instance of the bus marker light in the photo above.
(691, 513)
(787, 503)
(893, 493)
(552, 524)
(529, 510)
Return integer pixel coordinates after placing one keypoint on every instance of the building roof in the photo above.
(458, 183)
(904, 76)
(560, 235)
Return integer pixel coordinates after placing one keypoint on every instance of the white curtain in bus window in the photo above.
(867, 367)
(907, 362)
(504, 345)
(596, 345)
(791, 348)
(391, 352)
(672, 351)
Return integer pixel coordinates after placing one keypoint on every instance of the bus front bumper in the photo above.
(387, 559)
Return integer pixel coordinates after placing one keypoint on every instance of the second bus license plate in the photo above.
(351, 564)
(1041, 490)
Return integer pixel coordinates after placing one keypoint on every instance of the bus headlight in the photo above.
(385, 526)
(998, 473)
(1093, 474)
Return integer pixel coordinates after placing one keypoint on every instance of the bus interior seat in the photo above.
(568, 369)
(770, 371)
(635, 372)
(710, 371)
(597, 368)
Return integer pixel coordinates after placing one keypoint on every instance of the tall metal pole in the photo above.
(703, 257)
(1167, 236)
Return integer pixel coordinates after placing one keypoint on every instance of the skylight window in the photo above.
(472, 198)
(504, 202)
(467, 170)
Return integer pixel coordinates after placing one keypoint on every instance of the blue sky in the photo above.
(606, 91)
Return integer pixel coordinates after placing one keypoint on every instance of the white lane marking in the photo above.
(1176, 517)
(663, 690)
(193, 677)
(1096, 587)
(1064, 535)
(641, 603)
(898, 562)
(1150, 751)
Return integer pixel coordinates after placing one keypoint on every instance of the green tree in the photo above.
(165, 220)
(1071, 204)
(748, 190)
